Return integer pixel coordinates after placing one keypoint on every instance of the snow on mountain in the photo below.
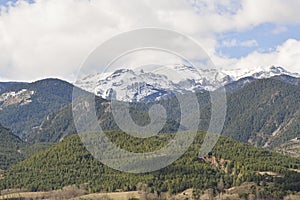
(21, 97)
(129, 85)
(141, 85)
(259, 72)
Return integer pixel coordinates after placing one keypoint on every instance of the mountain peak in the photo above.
(138, 84)
(273, 71)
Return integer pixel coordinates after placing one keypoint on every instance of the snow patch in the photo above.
(22, 97)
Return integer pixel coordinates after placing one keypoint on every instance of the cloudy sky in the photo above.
(52, 38)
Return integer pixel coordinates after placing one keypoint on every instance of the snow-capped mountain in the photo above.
(141, 85)
(260, 72)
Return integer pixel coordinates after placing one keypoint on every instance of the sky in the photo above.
(52, 38)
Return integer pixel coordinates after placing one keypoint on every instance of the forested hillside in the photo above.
(69, 163)
(264, 113)
(10, 148)
(25, 105)
(14, 150)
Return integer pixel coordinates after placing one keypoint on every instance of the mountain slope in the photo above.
(10, 148)
(55, 127)
(14, 150)
(24, 105)
(58, 125)
(264, 113)
(69, 163)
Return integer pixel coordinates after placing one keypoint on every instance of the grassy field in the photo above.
(112, 195)
(69, 194)
(26, 195)
(77, 194)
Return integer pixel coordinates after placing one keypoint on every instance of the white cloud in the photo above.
(286, 55)
(272, 11)
(51, 38)
(224, 15)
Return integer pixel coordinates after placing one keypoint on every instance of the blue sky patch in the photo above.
(263, 38)
(5, 2)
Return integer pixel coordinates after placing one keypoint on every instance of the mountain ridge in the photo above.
(139, 85)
